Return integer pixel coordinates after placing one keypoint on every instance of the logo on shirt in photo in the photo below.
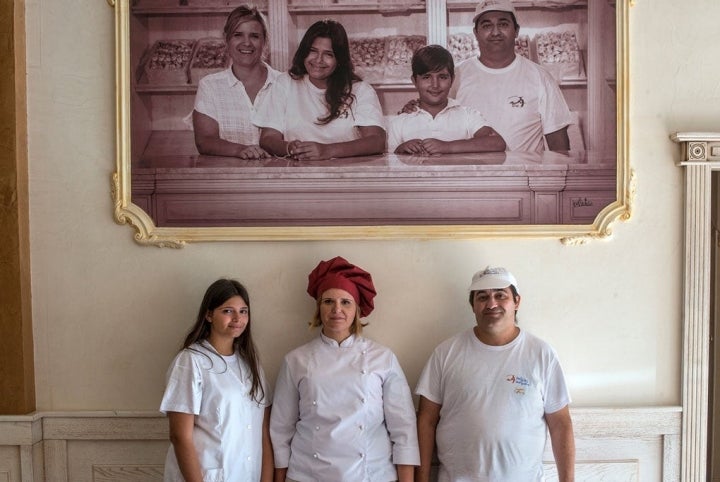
(344, 112)
(516, 101)
(519, 383)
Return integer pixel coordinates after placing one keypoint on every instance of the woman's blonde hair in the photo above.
(355, 328)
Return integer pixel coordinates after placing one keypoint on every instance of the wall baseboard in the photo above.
(620, 444)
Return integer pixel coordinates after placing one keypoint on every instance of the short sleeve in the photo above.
(474, 120)
(366, 108)
(429, 383)
(183, 392)
(268, 400)
(553, 108)
(395, 132)
(273, 106)
(556, 394)
(204, 102)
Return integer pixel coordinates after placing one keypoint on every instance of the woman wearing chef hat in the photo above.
(342, 409)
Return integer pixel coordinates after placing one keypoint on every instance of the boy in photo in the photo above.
(440, 125)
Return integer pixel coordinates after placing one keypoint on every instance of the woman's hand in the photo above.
(308, 151)
(253, 152)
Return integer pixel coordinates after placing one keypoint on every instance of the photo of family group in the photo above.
(300, 113)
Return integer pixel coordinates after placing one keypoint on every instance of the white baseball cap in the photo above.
(492, 279)
(494, 6)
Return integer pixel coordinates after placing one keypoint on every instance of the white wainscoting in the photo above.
(613, 444)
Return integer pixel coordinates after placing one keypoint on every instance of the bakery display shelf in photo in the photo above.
(168, 61)
(162, 7)
(463, 46)
(523, 4)
(367, 55)
(559, 52)
(354, 6)
(399, 50)
(229, 4)
(210, 56)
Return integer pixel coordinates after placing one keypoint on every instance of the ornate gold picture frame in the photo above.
(182, 198)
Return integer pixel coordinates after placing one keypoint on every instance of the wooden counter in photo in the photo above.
(186, 189)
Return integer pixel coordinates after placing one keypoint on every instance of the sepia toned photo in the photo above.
(544, 152)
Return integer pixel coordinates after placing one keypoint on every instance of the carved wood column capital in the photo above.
(698, 147)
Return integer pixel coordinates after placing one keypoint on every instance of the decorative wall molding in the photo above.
(700, 155)
(630, 444)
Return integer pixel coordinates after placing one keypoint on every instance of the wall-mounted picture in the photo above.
(320, 119)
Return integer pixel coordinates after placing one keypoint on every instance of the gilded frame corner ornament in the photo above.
(147, 233)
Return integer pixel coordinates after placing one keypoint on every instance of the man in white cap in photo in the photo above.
(488, 395)
(519, 98)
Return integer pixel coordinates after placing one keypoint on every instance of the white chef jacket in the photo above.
(228, 424)
(343, 412)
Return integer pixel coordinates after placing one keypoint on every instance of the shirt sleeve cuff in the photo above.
(406, 456)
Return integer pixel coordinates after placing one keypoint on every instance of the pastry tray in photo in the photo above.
(167, 61)
(209, 56)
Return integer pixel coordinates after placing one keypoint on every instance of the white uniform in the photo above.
(294, 106)
(494, 398)
(228, 424)
(343, 413)
(454, 122)
(522, 101)
(222, 97)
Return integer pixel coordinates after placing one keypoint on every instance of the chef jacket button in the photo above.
(249, 427)
(361, 427)
(315, 456)
(363, 372)
(362, 400)
(314, 402)
(317, 427)
(364, 352)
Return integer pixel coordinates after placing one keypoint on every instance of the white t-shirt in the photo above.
(294, 106)
(454, 122)
(522, 101)
(494, 398)
(222, 97)
(343, 413)
(228, 424)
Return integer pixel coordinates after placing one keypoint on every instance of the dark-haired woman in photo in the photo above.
(216, 398)
(226, 100)
(320, 109)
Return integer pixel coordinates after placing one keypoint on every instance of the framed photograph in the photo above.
(171, 194)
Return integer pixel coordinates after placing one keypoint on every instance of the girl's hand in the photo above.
(309, 151)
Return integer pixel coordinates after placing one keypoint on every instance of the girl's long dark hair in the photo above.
(217, 294)
(338, 95)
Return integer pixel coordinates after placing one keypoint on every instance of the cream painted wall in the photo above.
(109, 314)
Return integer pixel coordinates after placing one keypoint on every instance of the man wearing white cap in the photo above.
(488, 394)
(520, 99)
